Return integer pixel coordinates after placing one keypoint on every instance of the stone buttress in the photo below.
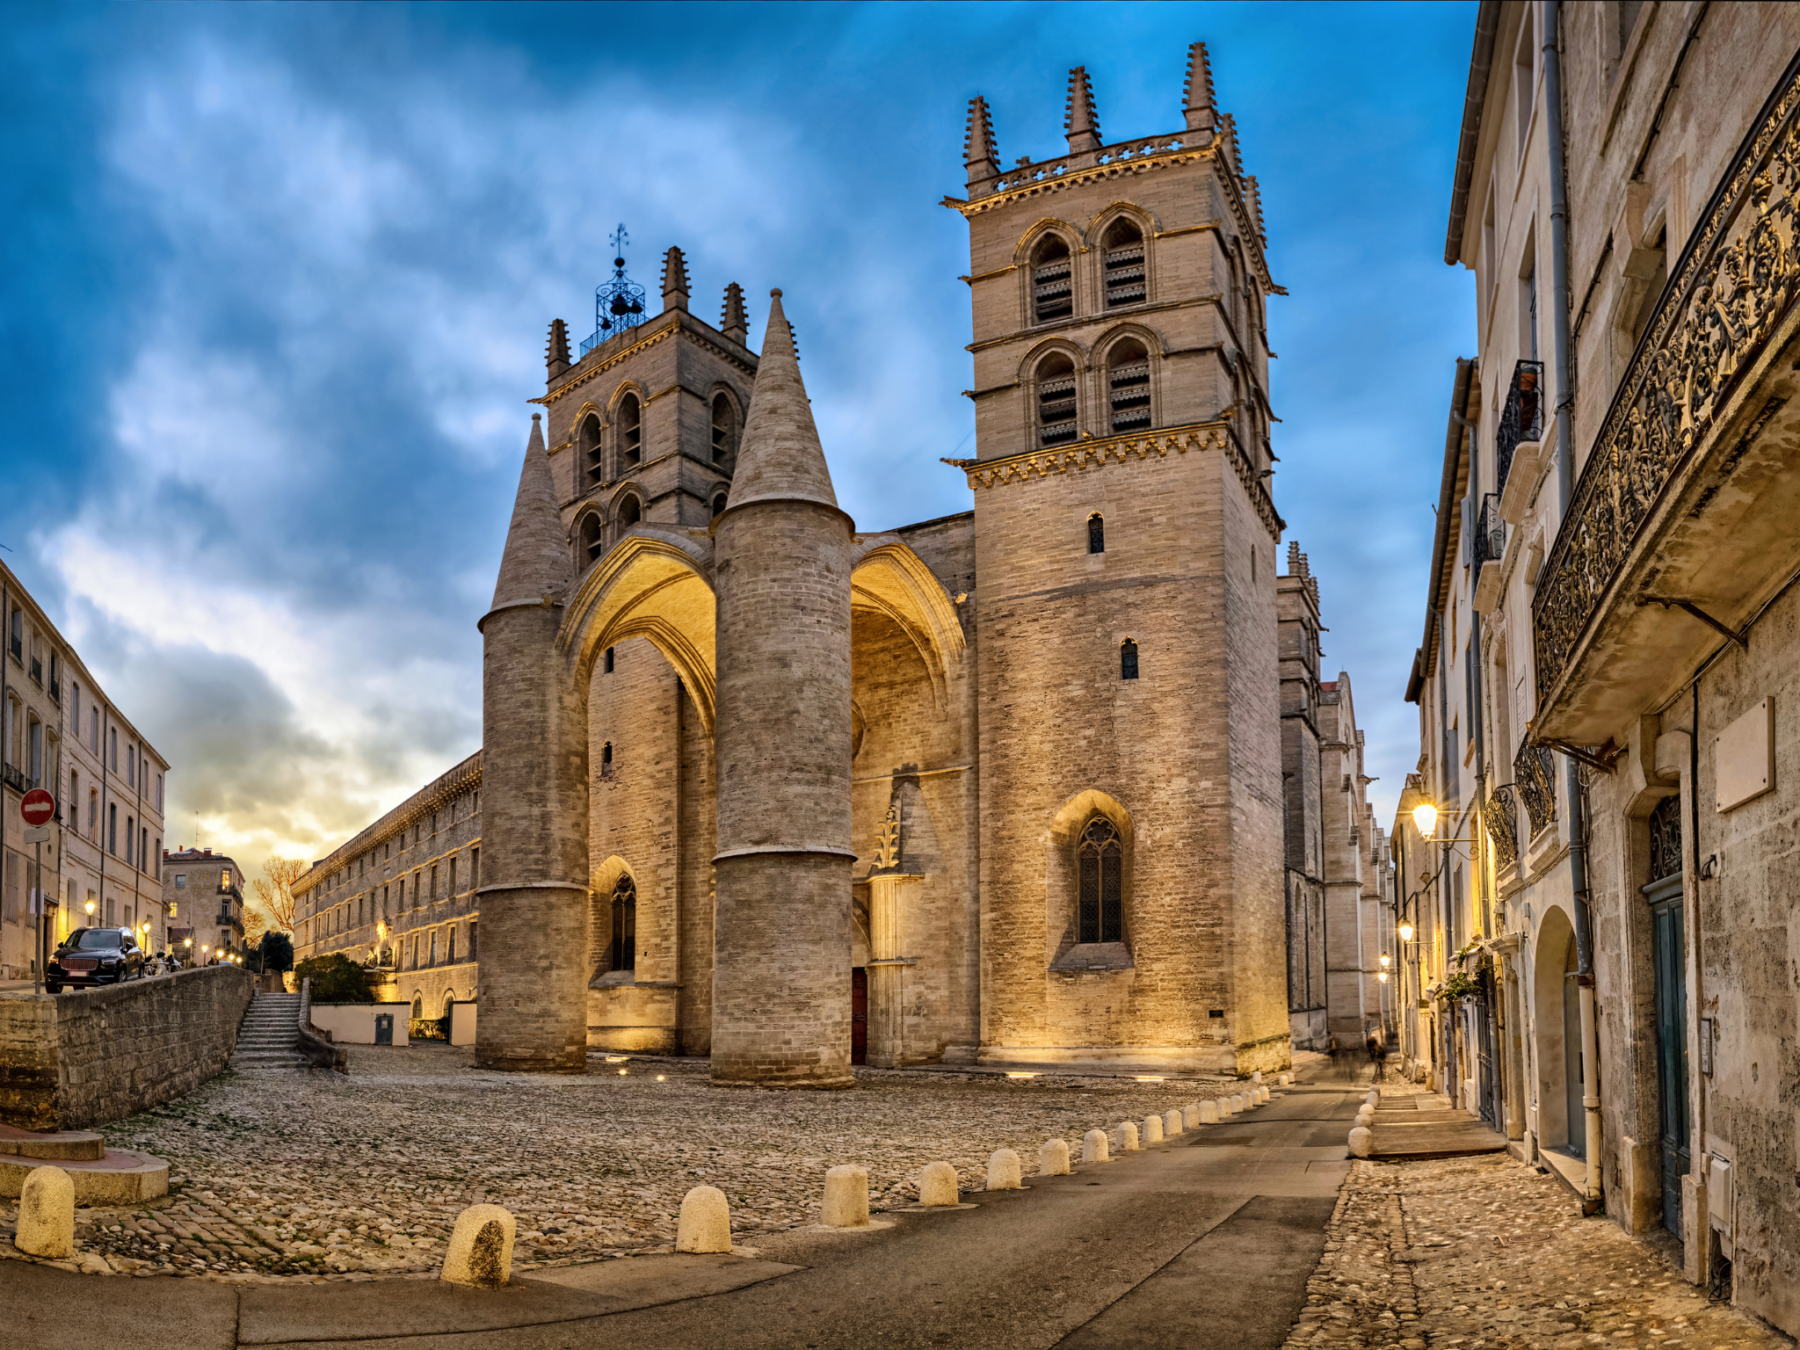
(782, 928)
(534, 910)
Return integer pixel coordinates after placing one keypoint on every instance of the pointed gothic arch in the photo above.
(891, 579)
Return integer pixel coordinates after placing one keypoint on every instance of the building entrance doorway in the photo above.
(1668, 958)
(859, 1015)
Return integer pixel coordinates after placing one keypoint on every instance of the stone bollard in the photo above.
(481, 1247)
(937, 1186)
(1264, 1093)
(1238, 1104)
(1053, 1157)
(47, 1214)
(1362, 1141)
(1374, 1097)
(1190, 1115)
(1365, 1119)
(1285, 1079)
(1125, 1137)
(1256, 1076)
(1172, 1125)
(847, 1197)
(1004, 1171)
(1093, 1147)
(1153, 1131)
(705, 1222)
(1209, 1112)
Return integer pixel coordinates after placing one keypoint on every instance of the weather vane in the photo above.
(618, 303)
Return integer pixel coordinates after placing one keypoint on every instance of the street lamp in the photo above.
(1406, 932)
(1386, 960)
(90, 909)
(1381, 975)
(1425, 819)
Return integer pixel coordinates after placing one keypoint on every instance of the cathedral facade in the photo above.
(1000, 787)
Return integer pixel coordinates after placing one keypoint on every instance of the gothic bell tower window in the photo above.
(1128, 387)
(1052, 281)
(631, 430)
(592, 544)
(589, 441)
(1100, 860)
(1096, 533)
(1056, 400)
(1122, 257)
(724, 431)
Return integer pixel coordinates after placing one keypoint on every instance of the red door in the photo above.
(859, 1015)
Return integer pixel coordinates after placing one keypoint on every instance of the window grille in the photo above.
(1100, 858)
(1096, 533)
(1052, 282)
(1128, 389)
(623, 954)
(631, 430)
(1056, 402)
(591, 450)
(1665, 839)
(1122, 260)
(1128, 660)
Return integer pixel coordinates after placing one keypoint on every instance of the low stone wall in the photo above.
(75, 1060)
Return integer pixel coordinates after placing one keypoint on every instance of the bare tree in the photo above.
(275, 894)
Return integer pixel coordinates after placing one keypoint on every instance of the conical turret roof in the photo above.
(781, 458)
(535, 562)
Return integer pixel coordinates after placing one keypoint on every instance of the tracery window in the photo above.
(1052, 287)
(1128, 387)
(1056, 400)
(622, 955)
(1100, 860)
(588, 440)
(1128, 663)
(1122, 257)
(631, 430)
(1096, 533)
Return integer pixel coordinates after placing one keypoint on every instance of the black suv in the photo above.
(94, 956)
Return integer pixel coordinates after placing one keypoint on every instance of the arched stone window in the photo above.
(1128, 386)
(418, 1008)
(1122, 257)
(1128, 660)
(1100, 867)
(1096, 533)
(587, 443)
(1052, 285)
(718, 505)
(631, 430)
(629, 512)
(592, 542)
(1056, 400)
(724, 431)
(622, 955)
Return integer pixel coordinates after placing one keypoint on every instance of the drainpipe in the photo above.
(1565, 490)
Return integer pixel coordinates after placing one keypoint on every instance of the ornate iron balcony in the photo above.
(1536, 785)
(1522, 419)
(1490, 531)
(1733, 287)
(1502, 815)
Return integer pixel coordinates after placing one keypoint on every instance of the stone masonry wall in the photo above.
(75, 1060)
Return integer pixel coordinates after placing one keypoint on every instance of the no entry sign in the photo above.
(37, 806)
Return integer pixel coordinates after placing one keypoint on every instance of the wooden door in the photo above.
(1668, 946)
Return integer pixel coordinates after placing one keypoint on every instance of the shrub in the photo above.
(335, 979)
(277, 951)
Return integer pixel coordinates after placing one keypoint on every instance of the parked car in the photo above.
(94, 956)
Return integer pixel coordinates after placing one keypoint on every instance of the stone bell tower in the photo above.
(781, 944)
(1130, 813)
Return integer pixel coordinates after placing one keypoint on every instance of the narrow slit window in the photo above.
(609, 660)
(1052, 281)
(606, 758)
(623, 953)
(1128, 387)
(1128, 663)
(1056, 401)
(1122, 257)
(631, 430)
(1096, 533)
(1100, 859)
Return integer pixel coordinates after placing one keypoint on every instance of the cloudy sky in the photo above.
(276, 278)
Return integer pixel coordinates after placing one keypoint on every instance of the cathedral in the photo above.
(1002, 787)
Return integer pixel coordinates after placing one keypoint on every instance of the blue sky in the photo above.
(276, 279)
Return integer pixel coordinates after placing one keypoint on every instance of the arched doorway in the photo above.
(1557, 1024)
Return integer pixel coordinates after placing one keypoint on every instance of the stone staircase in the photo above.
(270, 1035)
